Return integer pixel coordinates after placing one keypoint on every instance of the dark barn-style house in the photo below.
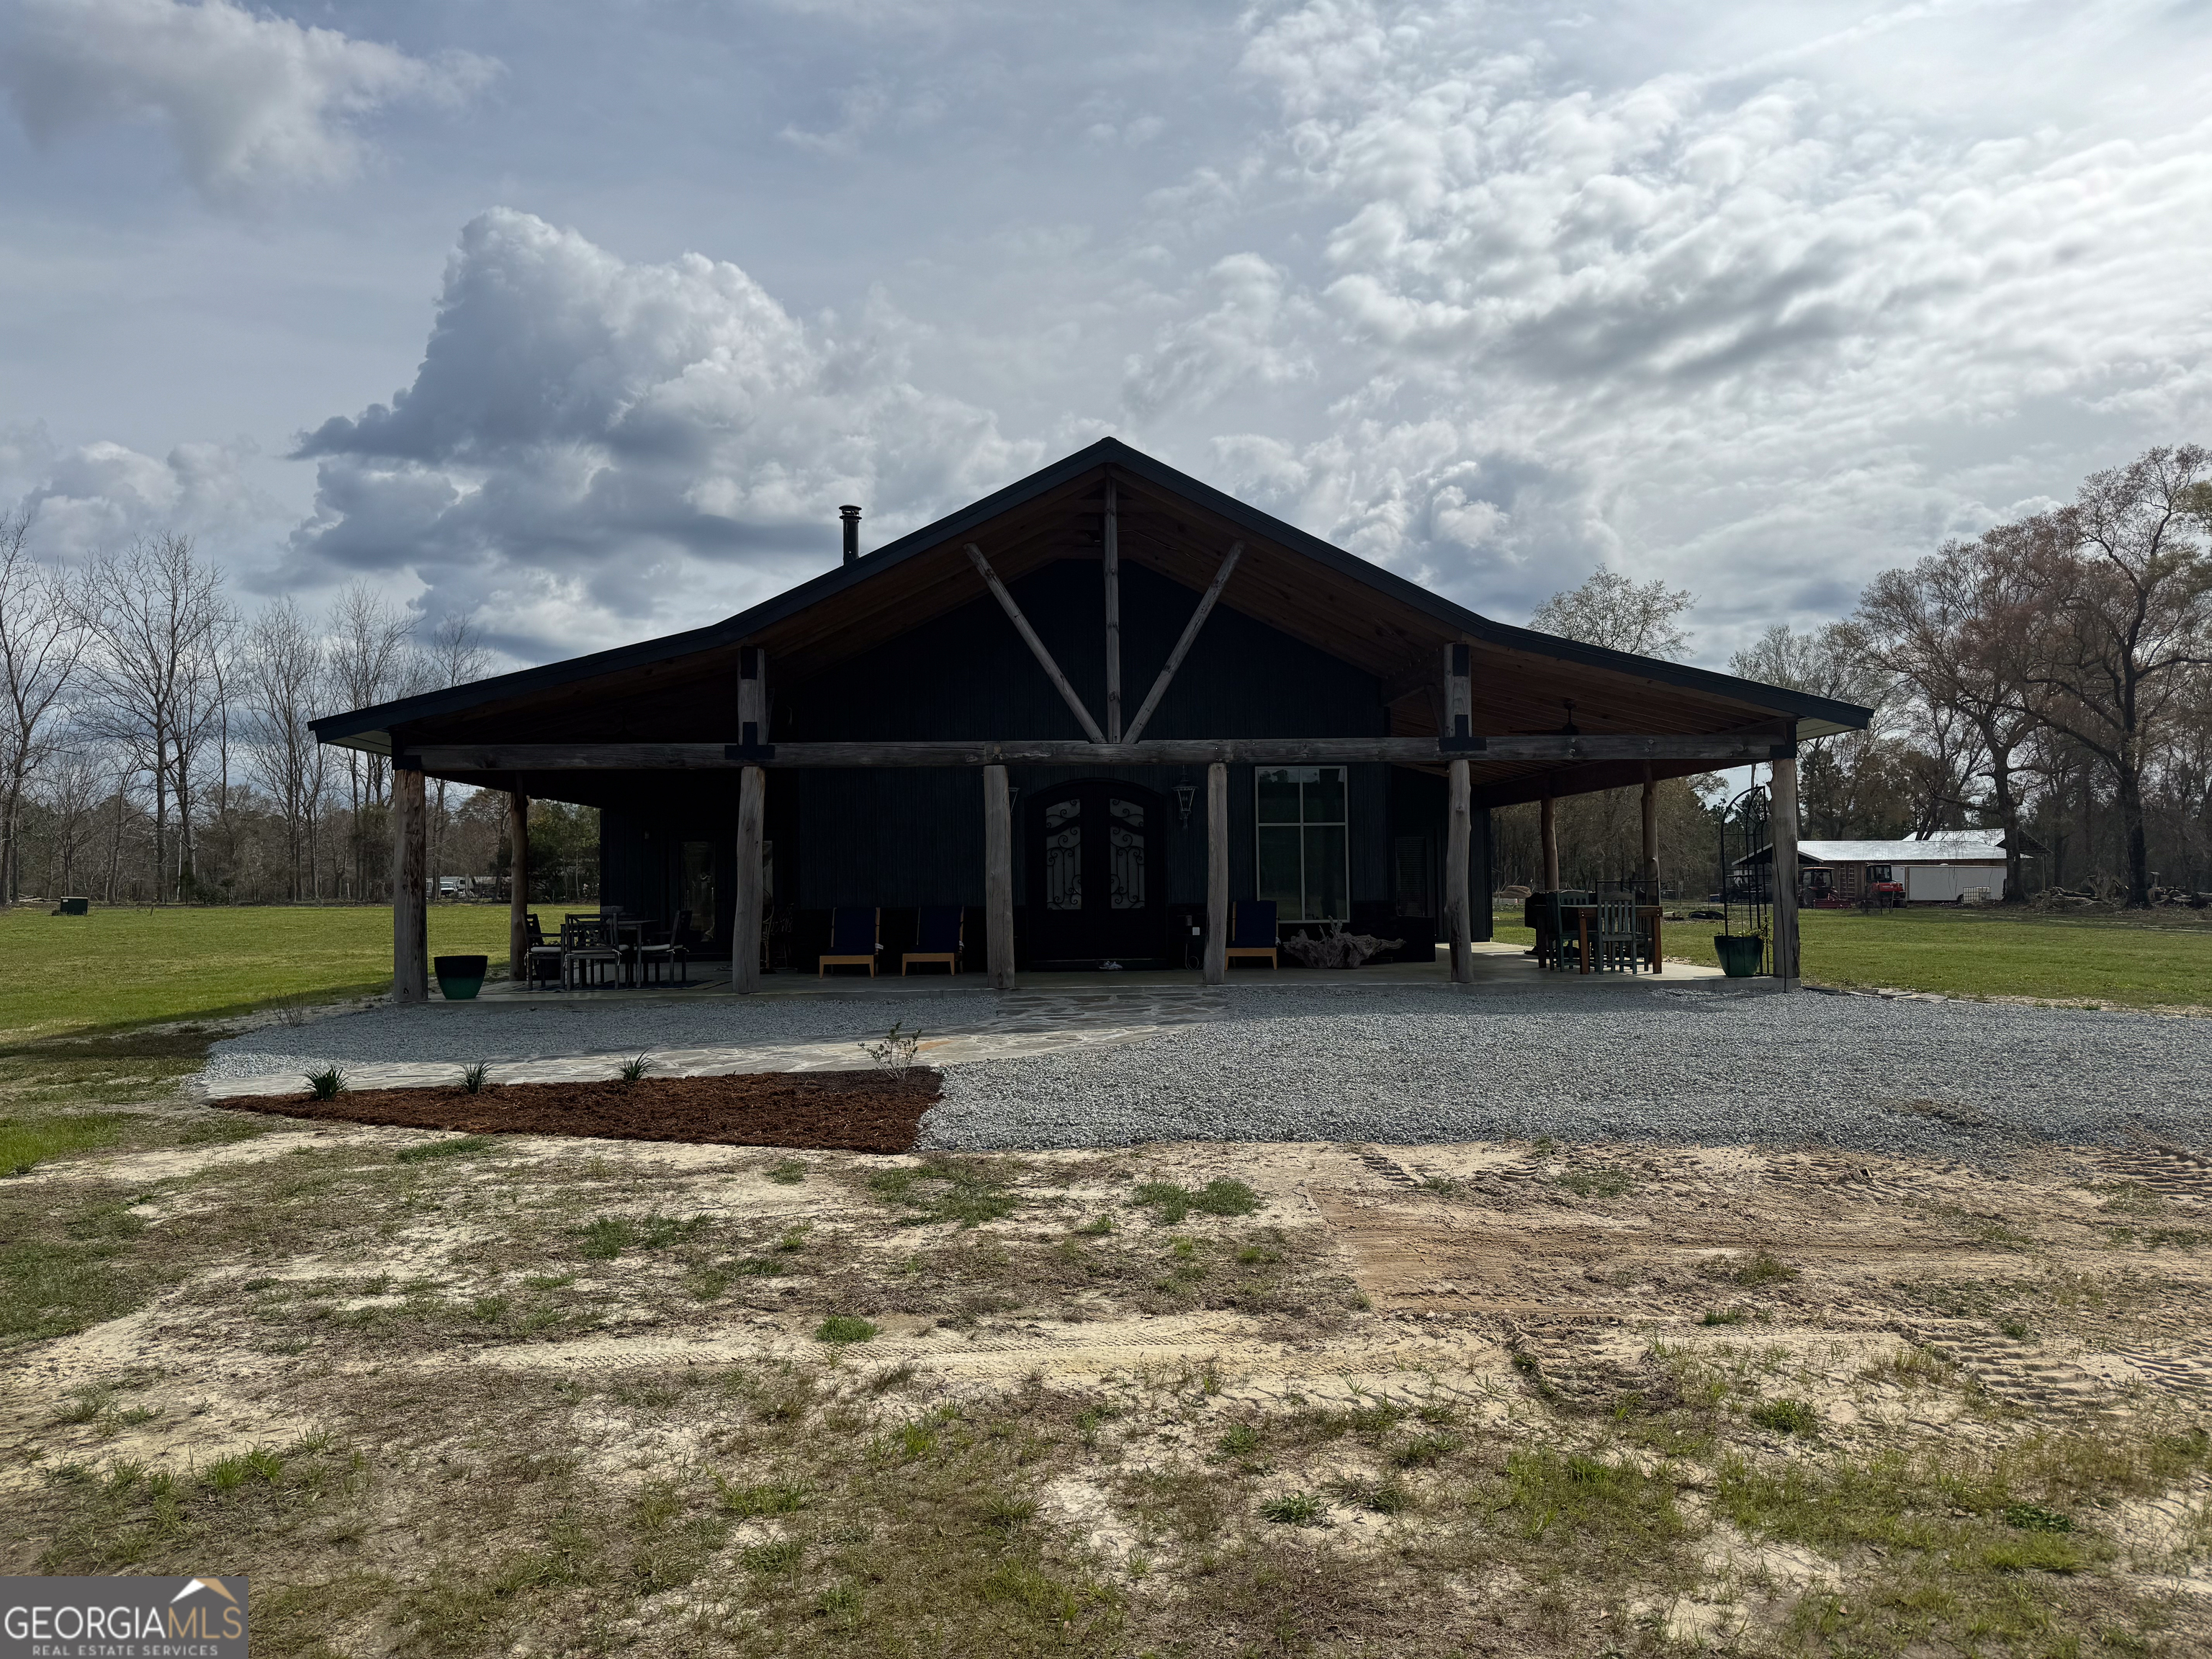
(1096, 710)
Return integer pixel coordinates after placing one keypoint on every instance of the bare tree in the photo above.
(74, 786)
(1610, 610)
(2115, 611)
(1947, 629)
(368, 664)
(456, 655)
(154, 612)
(1850, 782)
(284, 677)
(41, 644)
(202, 719)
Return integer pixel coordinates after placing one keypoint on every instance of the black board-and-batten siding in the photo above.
(903, 837)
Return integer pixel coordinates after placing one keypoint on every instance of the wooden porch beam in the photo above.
(1035, 645)
(1190, 638)
(1738, 749)
(1459, 704)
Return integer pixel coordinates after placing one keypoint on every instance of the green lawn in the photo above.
(2159, 960)
(126, 967)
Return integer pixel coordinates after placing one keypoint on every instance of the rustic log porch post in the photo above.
(745, 926)
(1217, 873)
(1651, 873)
(1785, 864)
(999, 879)
(1458, 913)
(1547, 824)
(410, 928)
(518, 885)
(752, 811)
(1459, 905)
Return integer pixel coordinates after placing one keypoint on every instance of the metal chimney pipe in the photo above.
(851, 515)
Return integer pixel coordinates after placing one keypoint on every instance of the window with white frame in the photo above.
(1304, 860)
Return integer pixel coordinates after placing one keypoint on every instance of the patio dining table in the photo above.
(1582, 919)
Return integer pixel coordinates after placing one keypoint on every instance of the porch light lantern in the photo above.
(1186, 793)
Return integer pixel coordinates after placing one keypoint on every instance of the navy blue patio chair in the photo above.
(856, 934)
(1252, 931)
(939, 935)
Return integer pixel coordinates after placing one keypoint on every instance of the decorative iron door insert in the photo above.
(1097, 873)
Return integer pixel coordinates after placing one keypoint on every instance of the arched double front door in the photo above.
(1097, 853)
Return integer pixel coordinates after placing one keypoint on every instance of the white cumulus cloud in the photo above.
(1758, 325)
(594, 449)
(95, 497)
(253, 102)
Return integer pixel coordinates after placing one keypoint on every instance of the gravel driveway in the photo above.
(1702, 1063)
(1689, 1065)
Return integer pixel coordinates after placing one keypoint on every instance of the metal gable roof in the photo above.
(370, 727)
(1961, 848)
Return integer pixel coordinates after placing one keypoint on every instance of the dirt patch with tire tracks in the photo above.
(505, 1392)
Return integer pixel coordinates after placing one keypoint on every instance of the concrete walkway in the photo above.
(1047, 1013)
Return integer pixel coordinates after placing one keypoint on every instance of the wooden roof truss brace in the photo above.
(1113, 733)
(1190, 638)
(1038, 648)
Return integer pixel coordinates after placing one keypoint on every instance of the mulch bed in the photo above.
(839, 1111)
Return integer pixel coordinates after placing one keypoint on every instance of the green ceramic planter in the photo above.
(1742, 955)
(459, 978)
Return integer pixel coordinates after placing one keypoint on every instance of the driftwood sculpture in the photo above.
(1338, 949)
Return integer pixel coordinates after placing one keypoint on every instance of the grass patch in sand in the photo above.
(457, 1146)
(1171, 1204)
(67, 1265)
(967, 1191)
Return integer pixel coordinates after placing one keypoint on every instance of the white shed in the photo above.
(1935, 869)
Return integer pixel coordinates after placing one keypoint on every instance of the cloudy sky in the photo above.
(585, 317)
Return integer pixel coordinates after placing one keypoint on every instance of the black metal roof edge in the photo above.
(381, 717)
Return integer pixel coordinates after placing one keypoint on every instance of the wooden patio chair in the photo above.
(587, 943)
(1252, 931)
(542, 958)
(656, 955)
(856, 934)
(1559, 941)
(939, 935)
(1619, 942)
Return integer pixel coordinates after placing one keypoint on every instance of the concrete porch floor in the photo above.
(1496, 965)
(800, 1022)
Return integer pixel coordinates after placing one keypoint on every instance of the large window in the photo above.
(1304, 856)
